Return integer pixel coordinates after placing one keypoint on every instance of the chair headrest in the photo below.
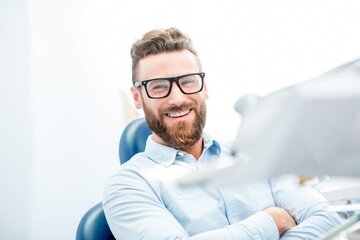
(133, 139)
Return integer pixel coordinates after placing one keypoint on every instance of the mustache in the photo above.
(177, 108)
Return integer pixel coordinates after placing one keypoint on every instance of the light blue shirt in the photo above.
(142, 201)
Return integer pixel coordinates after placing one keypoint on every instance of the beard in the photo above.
(182, 134)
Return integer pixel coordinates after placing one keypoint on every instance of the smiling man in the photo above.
(141, 200)
(174, 107)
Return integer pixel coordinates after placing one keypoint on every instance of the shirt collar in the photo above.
(167, 155)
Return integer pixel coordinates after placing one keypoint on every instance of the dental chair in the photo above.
(93, 225)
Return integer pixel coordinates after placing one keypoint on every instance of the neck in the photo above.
(196, 149)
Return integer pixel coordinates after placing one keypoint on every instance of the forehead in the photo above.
(169, 64)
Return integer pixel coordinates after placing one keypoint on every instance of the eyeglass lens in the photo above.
(161, 87)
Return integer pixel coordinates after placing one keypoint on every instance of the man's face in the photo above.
(178, 119)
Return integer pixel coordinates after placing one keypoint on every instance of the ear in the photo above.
(205, 91)
(136, 97)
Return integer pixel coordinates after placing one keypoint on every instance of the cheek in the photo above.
(202, 97)
(151, 106)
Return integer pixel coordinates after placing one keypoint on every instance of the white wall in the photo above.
(78, 114)
(16, 132)
(64, 65)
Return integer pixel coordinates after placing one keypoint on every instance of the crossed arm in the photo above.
(134, 211)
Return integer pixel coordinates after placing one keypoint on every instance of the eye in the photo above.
(158, 85)
(188, 81)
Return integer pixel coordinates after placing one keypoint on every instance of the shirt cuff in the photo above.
(261, 226)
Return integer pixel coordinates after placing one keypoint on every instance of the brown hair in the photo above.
(160, 41)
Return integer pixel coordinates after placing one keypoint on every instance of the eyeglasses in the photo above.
(160, 87)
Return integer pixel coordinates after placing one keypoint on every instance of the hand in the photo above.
(283, 220)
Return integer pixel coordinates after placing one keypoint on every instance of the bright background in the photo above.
(65, 79)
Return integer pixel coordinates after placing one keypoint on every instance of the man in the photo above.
(141, 200)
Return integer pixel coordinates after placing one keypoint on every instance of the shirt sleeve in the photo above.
(134, 211)
(308, 207)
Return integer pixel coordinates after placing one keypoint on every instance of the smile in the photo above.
(178, 114)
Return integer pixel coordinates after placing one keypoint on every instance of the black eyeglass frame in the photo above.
(171, 80)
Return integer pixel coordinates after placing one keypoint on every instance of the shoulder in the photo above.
(138, 165)
(131, 177)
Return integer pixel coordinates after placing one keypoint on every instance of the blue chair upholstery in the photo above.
(93, 225)
(133, 139)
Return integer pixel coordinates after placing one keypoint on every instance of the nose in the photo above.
(176, 97)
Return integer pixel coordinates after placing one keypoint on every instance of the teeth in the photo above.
(178, 114)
